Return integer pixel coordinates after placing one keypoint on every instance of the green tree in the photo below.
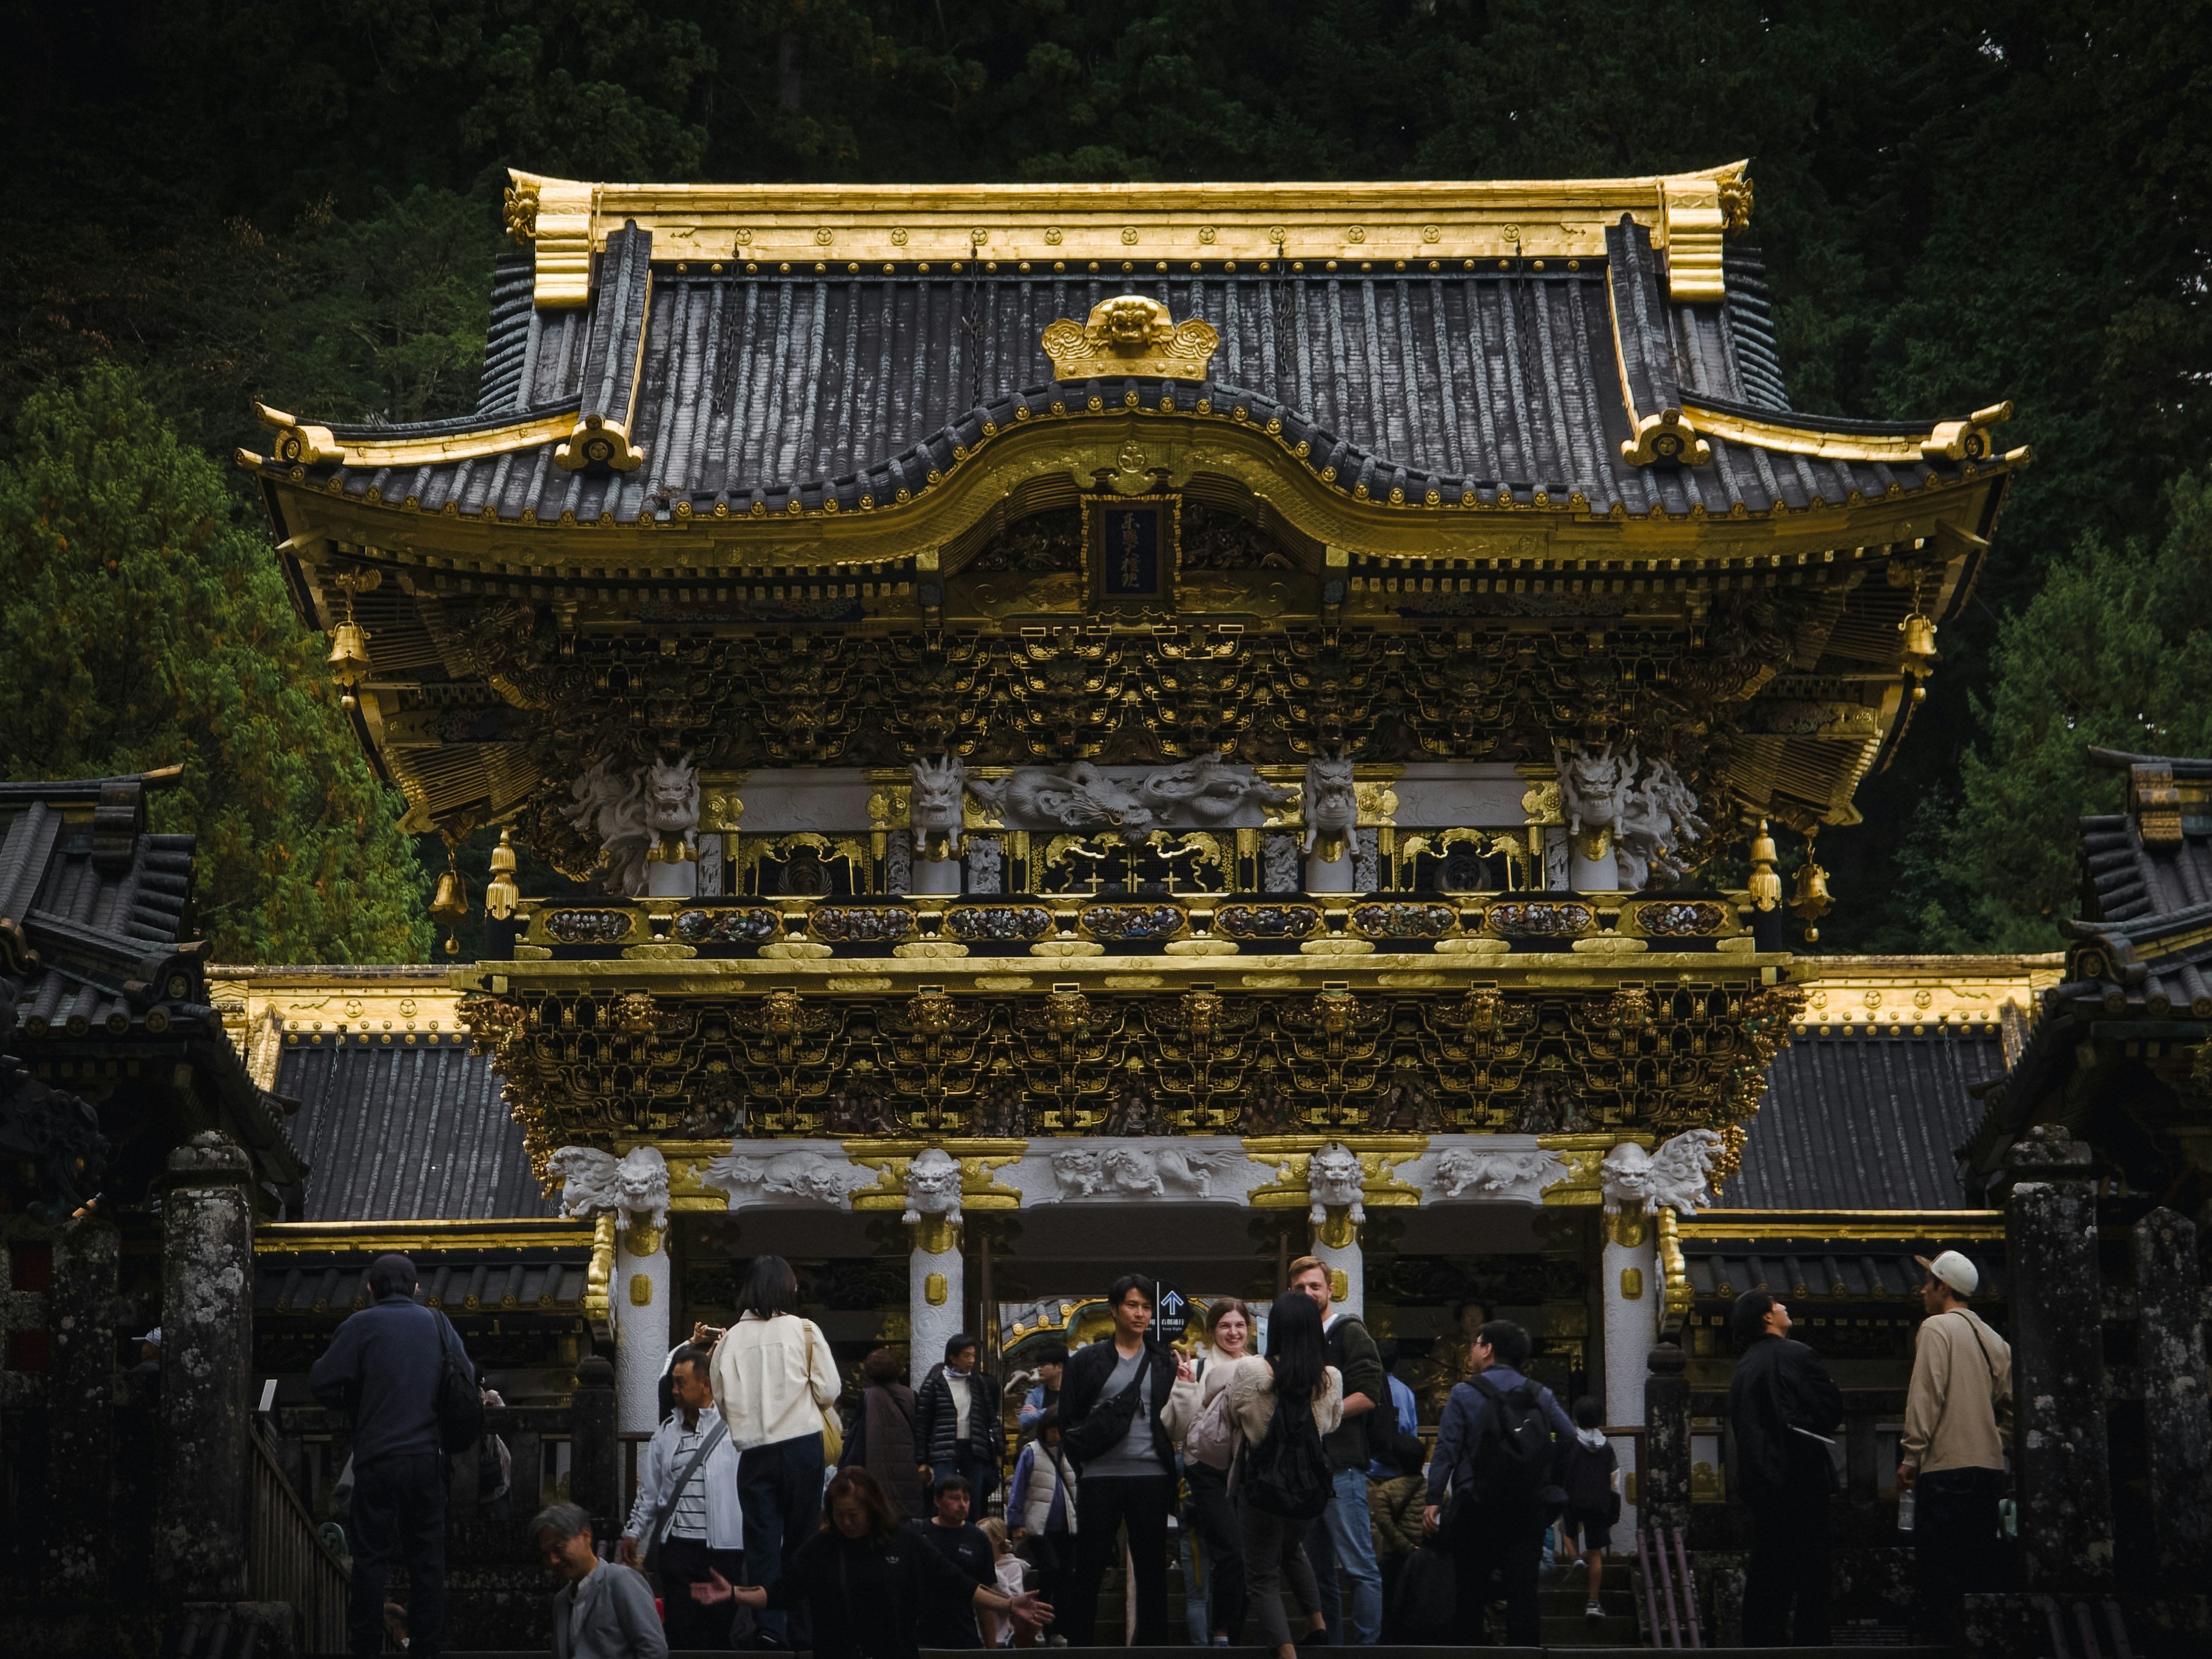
(2114, 650)
(143, 625)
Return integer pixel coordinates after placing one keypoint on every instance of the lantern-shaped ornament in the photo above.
(501, 894)
(1766, 881)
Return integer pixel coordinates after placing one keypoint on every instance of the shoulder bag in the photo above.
(700, 1453)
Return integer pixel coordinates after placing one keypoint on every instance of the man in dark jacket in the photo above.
(1495, 1532)
(383, 1367)
(1341, 1544)
(1141, 1395)
(1784, 1409)
(958, 1428)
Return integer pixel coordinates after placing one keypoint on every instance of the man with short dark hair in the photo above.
(602, 1611)
(383, 1367)
(1784, 1410)
(1493, 1458)
(958, 1427)
(1142, 1396)
(687, 1517)
(1958, 1412)
(1045, 1394)
(948, 1616)
(1347, 1536)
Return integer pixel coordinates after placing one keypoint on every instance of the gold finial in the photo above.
(1765, 883)
(1129, 334)
(500, 894)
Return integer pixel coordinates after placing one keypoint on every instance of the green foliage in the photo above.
(142, 625)
(2006, 198)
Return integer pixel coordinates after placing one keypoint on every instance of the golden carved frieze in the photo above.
(1127, 335)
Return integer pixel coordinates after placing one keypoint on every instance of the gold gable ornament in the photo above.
(1129, 334)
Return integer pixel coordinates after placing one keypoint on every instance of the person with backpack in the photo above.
(1208, 1450)
(1125, 1402)
(1784, 1409)
(398, 1369)
(1958, 1413)
(687, 1521)
(1493, 1458)
(1284, 1407)
(882, 1438)
(1589, 1474)
(1345, 1537)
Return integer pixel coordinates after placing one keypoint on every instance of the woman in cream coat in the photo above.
(773, 1377)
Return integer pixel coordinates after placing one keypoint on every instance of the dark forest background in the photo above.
(208, 203)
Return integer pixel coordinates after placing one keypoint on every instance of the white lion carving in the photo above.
(1149, 1171)
(635, 1184)
(809, 1175)
(1076, 1173)
(933, 807)
(933, 1185)
(1674, 1177)
(1335, 1181)
(1462, 1170)
(631, 812)
(588, 1179)
(1332, 803)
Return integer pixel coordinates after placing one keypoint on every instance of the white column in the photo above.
(1598, 875)
(1346, 1259)
(1631, 1326)
(935, 1292)
(1329, 875)
(639, 1300)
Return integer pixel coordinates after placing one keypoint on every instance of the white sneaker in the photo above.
(1593, 1612)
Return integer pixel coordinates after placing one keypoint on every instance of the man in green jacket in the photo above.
(1350, 1538)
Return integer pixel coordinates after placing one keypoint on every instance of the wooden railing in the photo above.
(288, 1561)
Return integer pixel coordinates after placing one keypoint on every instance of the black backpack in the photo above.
(1512, 1460)
(460, 1401)
(1287, 1473)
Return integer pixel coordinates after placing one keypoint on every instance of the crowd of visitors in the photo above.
(1282, 1441)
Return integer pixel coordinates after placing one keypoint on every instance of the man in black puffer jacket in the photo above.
(958, 1428)
(1124, 1404)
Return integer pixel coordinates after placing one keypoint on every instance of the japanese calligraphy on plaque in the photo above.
(1130, 548)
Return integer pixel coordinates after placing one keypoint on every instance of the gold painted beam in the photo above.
(1118, 228)
(1852, 1224)
(519, 1233)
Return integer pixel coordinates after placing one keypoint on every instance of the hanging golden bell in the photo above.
(500, 894)
(1809, 896)
(1919, 633)
(1765, 883)
(348, 655)
(450, 904)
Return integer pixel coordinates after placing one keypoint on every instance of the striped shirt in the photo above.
(690, 1505)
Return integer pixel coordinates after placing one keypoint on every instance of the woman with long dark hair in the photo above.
(864, 1576)
(773, 1377)
(1295, 1377)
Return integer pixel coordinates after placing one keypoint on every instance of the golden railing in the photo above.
(288, 1561)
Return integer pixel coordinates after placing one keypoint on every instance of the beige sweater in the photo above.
(1251, 1386)
(1958, 1410)
(773, 1379)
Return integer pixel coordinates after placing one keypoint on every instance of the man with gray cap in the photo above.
(1958, 1412)
(383, 1367)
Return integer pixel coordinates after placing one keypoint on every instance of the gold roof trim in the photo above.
(1852, 1224)
(1149, 227)
(303, 446)
(1922, 994)
(519, 1233)
(1945, 440)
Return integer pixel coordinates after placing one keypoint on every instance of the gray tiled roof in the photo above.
(772, 388)
(403, 1133)
(1865, 1122)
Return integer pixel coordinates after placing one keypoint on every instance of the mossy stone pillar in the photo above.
(80, 1527)
(2170, 1359)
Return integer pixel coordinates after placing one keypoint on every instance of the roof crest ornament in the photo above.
(1129, 334)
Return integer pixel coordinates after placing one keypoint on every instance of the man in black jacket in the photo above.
(383, 1366)
(1784, 1409)
(1125, 1403)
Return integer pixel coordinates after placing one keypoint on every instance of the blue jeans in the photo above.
(1353, 1544)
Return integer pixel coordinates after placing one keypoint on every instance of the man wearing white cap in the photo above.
(1958, 1412)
